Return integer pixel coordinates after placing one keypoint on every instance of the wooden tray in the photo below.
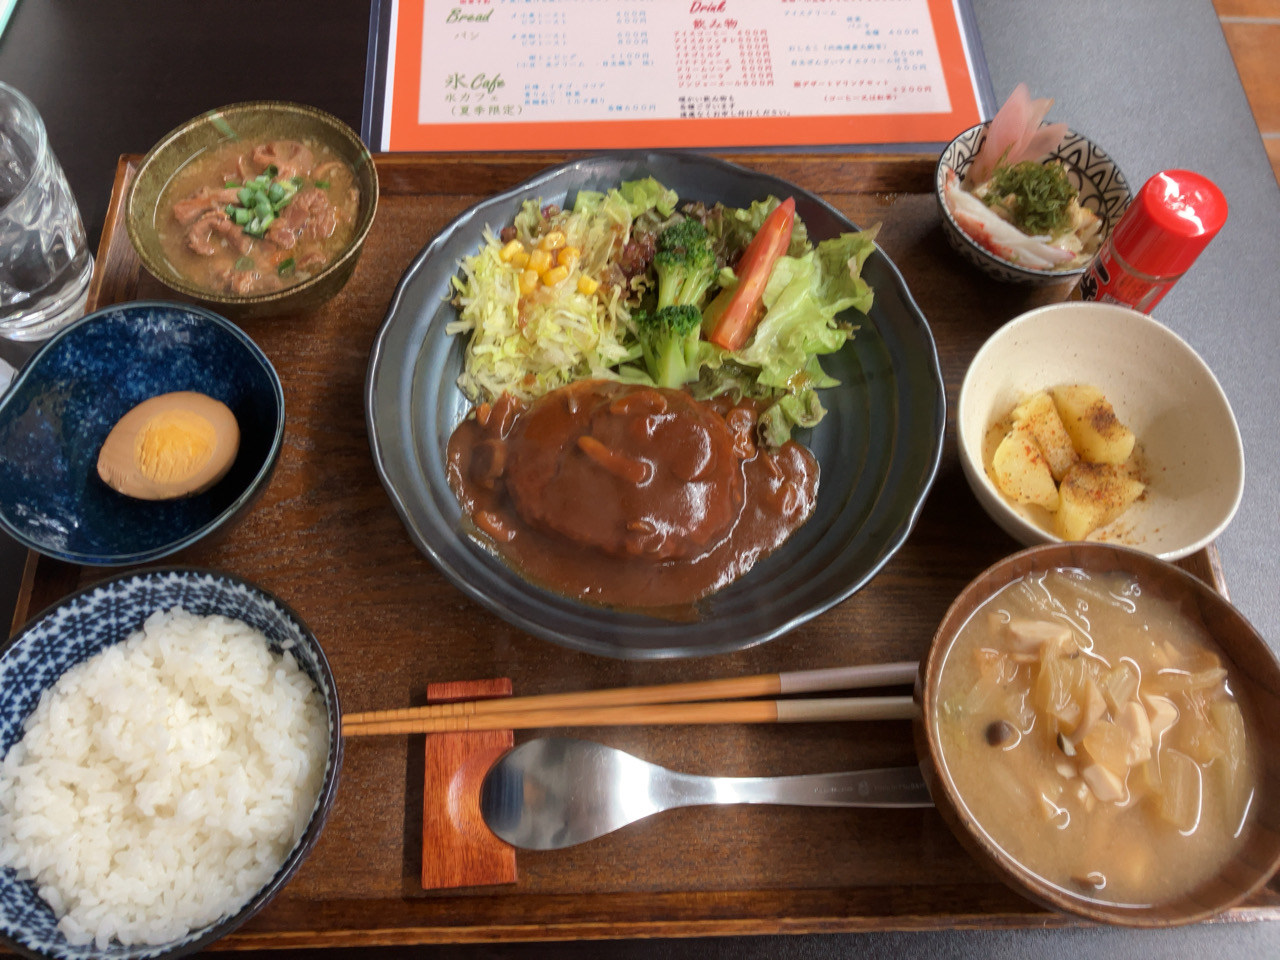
(326, 539)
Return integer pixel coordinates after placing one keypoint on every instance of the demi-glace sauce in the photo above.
(1091, 730)
(628, 496)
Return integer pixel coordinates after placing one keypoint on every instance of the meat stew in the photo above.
(254, 218)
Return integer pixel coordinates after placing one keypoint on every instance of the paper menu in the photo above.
(600, 74)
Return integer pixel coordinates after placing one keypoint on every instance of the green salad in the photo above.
(637, 286)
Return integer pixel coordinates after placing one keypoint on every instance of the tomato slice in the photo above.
(740, 315)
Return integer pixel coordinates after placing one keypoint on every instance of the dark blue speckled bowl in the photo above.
(66, 399)
(105, 614)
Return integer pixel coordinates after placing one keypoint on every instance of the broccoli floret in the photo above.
(685, 264)
(669, 339)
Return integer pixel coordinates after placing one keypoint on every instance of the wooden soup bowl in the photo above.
(1255, 680)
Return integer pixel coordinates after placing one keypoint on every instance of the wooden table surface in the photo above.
(1151, 79)
(325, 538)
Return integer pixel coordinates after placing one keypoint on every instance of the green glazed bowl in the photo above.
(259, 119)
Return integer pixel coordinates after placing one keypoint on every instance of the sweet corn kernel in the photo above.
(552, 240)
(588, 286)
(528, 281)
(508, 253)
(540, 261)
(568, 257)
(521, 259)
(555, 275)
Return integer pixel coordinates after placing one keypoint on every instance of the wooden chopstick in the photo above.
(732, 711)
(761, 685)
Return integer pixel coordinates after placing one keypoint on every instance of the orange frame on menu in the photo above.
(616, 74)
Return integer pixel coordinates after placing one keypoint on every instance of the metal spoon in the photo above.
(554, 792)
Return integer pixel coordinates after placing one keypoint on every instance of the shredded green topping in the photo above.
(1035, 195)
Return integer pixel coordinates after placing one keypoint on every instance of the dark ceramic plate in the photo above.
(878, 446)
(66, 399)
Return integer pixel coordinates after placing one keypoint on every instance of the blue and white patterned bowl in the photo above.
(1103, 189)
(98, 617)
(66, 399)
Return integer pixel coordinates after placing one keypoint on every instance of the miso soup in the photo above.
(1092, 732)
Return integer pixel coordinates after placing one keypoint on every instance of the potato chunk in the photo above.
(1092, 495)
(1039, 415)
(1021, 471)
(1090, 420)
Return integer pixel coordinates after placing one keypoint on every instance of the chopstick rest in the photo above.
(458, 850)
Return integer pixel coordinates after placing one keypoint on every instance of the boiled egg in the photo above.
(173, 445)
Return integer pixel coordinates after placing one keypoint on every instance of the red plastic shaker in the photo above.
(1173, 218)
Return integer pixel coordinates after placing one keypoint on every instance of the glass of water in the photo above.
(45, 266)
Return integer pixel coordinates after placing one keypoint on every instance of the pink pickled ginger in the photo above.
(1016, 134)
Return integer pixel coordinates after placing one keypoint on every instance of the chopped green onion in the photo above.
(286, 194)
(231, 183)
(322, 184)
(260, 200)
(244, 263)
(286, 268)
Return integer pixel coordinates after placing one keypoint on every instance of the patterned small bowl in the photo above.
(1103, 189)
(98, 617)
(261, 120)
(69, 395)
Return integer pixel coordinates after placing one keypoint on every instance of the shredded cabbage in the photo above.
(528, 348)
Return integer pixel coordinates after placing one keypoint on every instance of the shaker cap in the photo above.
(1172, 219)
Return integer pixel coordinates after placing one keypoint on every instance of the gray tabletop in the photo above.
(1150, 80)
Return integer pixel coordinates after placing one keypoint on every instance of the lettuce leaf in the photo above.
(803, 300)
(799, 409)
(648, 194)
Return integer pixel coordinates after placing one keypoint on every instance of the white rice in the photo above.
(160, 784)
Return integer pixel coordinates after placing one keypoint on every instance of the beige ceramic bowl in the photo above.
(263, 119)
(1255, 675)
(1160, 389)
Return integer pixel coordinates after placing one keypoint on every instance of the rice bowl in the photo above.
(160, 783)
(170, 757)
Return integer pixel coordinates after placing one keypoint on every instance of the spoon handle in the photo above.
(891, 787)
